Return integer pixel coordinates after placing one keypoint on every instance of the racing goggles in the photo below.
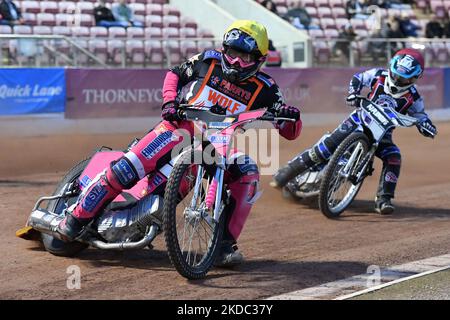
(242, 59)
(400, 81)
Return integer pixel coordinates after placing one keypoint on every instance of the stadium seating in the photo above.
(141, 45)
(330, 16)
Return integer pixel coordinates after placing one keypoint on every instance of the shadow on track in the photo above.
(284, 276)
(365, 208)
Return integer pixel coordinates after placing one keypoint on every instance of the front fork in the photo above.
(363, 170)
(214, 192)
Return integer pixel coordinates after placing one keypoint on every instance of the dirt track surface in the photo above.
(288, 245)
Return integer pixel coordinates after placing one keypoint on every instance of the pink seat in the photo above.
(45, 19)
(331, 33)
(99, 47)
(154, 9)
(358, 24)
(204, 33)
(187, 22)
(188, 33)
(67, 7)
(98, 32)
(151, 32)
(341, 22)
(134, 32)
(336, 4)
(154, 52)
(81, 32)
(29, 18)
(84, 19)
(322, 51)
(62, 31)
(170, 33)
(30, 6)
(203, 45)
(64, 19)
(308, 3)
(85, 7)
(116, 50)
(174, 52)
(171, 21)
(440, 52)
(339, 13)
(5, 29)
(316, 33)
(117, 32)
(188, 48)
(312, 11)
(322, 3)
(138, 8)
(327, 23)
(42, 30)
(153, 21)
(49, 7)
(22, 30)
(169, 10)
(135, 51)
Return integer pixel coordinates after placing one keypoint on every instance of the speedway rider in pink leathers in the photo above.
(231, 79)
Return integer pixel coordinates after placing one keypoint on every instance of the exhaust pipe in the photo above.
(45, 221)
(148, 238)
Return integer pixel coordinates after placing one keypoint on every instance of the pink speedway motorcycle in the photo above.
(185, 199)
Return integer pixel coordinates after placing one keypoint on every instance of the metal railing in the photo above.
(46, 50)
(377, 51)
(43, 50)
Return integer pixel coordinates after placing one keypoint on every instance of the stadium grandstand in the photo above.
(66, 33)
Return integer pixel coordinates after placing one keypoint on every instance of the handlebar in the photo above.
(404, 118)
(207, 115)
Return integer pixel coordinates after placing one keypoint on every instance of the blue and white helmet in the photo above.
(405, 68)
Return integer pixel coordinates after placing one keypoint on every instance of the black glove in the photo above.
(352, 100)
(285, 111)
(170, 111)
(427, 128)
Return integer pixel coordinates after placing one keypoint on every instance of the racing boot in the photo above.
(383, 205)
(288, 172)
(229, 255)
(70, 227)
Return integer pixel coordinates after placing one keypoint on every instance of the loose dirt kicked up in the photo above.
(287, 245)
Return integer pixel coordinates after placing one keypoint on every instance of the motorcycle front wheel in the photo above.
(337, 192)
(192, 236)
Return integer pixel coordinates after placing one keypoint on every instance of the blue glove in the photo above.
(427, 128)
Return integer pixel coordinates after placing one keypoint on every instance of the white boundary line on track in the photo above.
(391, 283)
(390, 275)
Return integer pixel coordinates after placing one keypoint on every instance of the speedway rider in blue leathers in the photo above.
(394, 88)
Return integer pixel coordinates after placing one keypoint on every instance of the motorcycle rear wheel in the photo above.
(51, 244)
(332, 180)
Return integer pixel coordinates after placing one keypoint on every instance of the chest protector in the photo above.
(212, 89)
(380, 97)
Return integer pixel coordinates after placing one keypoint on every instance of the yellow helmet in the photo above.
(245, 46)
(255, 30)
